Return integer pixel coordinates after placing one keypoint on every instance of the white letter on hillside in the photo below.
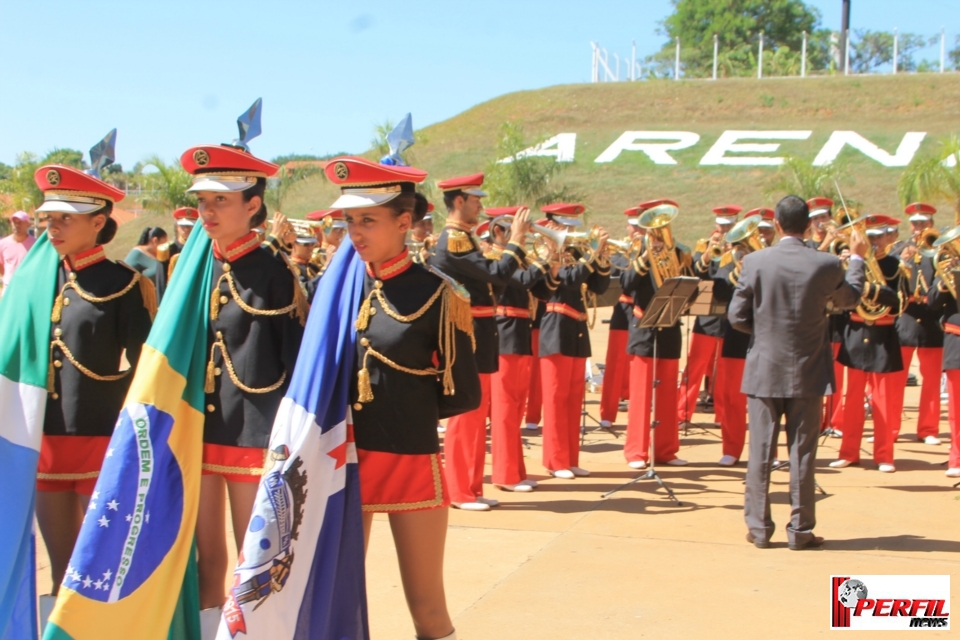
(561, 146)
(727, 142)
(905, 152)
(655, 151)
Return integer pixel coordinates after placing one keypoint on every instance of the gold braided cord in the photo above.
(57, 342)
(228, 362)
(89, 297)
(67, 477)
(589, 299)
(399, 367)
(436, 501)
(385, 305)
(237, 471)
(291, 308)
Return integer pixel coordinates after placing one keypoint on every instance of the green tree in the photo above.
(933, 176)
(525, 180)
(291, 173)
(737, 24)
(19, 186)
(798, 176)
(874, 49)
(954, 55)
(164, 189)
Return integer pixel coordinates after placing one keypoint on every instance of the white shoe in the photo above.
(441, 428)
(678, 462)
(530, 483)
(519, 487)
(840, 464)
(532, 426)
(606, 424)
(637, 464)
(836, 433)
(953, 473)
(472, 506)
(488, 501)
(452, 636)
(870, 439)
(579, 472)
(727, 461)
(210, 622)
(931, 440)
(886, 468)
(563, 474)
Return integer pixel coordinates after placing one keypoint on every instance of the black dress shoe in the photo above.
(813, 543)
(759, 544)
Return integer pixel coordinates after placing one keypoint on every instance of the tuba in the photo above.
(867, 309)
(744, 239)
(947, 259)
(662, 247)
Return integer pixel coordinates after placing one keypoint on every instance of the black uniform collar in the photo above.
(85, 259)
(237, 249)
(392, 267)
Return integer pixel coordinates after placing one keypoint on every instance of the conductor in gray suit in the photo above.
(781, 299)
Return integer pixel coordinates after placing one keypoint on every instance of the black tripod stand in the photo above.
(584, 414)
(664, 310)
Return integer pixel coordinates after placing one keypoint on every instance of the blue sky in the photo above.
(170, 74)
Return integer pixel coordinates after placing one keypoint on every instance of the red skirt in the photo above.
(391, 482)
(71, 463)
(236, 464)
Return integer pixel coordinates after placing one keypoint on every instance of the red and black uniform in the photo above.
(564, 349)
(616, 374)
(458, 255)
(919, 331)
(944, 304)
(535, 396)
(101, 311)
(704, 348)
(871, 352)
(511, 383)
(833, 407)
(729, 402)
(256, 325)
(639, 284)
(407, 380)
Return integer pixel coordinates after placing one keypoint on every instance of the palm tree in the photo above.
(525, 179)
(934, 176)
(800, 177)
(166, 188)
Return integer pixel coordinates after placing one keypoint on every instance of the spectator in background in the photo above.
(14, 247)
(143, 257)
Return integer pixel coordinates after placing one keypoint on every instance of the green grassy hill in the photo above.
(880, 108)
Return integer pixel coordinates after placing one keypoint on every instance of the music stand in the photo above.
(664, 311)
(703, 305)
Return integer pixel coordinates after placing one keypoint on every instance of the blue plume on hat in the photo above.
(399, 140)
(103, 154)
(249, 125)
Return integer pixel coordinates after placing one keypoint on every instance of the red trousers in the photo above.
(886, 414)
(508, 392)
(733, 422)
(666, 442)
(564, 378)
(616, 375)
(953, 406)
(833, 407)
(931, 360)
(464, 449)
(535, 396)
(704, 351)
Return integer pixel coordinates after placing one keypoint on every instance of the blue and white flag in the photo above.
(300, 573)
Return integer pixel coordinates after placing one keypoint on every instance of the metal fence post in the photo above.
(676, 63)
(846, 53)
(716, 44)
(803, 57)
(760, 58)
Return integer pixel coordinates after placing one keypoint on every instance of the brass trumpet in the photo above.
(304, 227)
(629, 249)
(947, 258)
(926, 242)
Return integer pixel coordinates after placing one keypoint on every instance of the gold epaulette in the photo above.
(147, 291)
(726, 258)
(299, 295)
(702, 245)
(459, 242)
(171, 267)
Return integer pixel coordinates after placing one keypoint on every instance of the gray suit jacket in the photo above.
(782, 299)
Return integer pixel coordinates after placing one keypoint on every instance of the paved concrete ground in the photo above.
(562, 563)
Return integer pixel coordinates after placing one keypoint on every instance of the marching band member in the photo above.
(185, 218)
(329, 235)
(942, 300)
(510, 384)
(458, 255)
(823, 230)
(102, 312)
(708, 331)
(257, 313)
(919, 327)
(301, 255)
(871, 352)
(565, 342)
(661, 260)
(420, 235)
(414, 366)
(616, 373)
(767, 229)
(534, 409)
